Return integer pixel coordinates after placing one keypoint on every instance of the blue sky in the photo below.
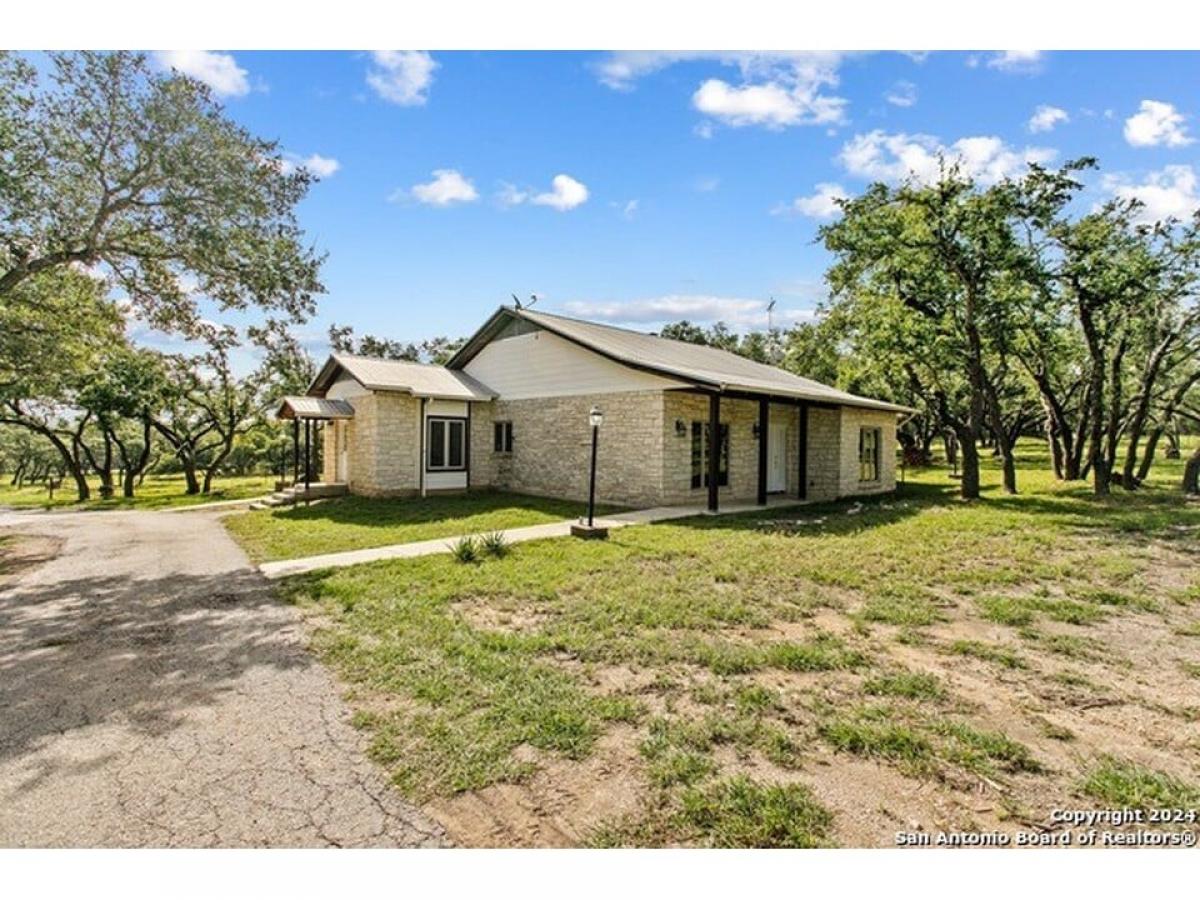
(643, 188)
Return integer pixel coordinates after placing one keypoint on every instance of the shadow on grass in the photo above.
(838, 517)
(376, 512)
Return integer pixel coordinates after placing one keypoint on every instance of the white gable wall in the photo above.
(345, 388)
(543, 364)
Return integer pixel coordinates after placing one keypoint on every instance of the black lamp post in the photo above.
(595, 419)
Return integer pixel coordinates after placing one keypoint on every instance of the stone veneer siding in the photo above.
(330, 442)
(482, 455)
(384, 444)
(643, 461)
(552, 447)
(852, 420)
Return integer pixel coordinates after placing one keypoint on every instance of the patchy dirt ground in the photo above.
(832, 679)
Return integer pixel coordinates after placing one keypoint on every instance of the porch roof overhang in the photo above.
(313, 408)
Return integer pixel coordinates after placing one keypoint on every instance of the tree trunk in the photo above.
(1191, 474)
(1148, 454)
(189, 476)
(970, 467)
(1095, 400)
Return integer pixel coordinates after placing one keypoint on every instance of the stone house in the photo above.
(510, 411)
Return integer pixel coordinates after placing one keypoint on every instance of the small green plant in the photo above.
(1190, 668)
(980, 750)
(1006, 610)
(739, 812)
(912, 685)
(1192, 629)
(990, 652)
(1124, 783)
(872, 733)
(494, 543)
(466, 549)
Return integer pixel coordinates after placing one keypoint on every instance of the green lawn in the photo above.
(805, 677)
(156, 492)
(353, 523)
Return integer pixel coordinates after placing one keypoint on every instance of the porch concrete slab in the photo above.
(283, 568)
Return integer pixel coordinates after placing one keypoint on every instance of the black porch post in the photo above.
(802, 484)
(295, 449)
(307, 458)
(714, 449)
(764, 421)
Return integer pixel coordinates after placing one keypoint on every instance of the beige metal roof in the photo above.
(418, 379)
(696, 363)
(314, 408)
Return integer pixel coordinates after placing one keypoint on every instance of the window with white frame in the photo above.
(868, 454)
(446, 443)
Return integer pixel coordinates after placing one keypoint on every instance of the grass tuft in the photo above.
(739, 812)
(911, 685)
(990, 652)
(1124, 783)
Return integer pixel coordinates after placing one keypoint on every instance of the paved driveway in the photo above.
(153, 693)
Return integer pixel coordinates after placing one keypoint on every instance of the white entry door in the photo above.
(343, 457)
(777, 457)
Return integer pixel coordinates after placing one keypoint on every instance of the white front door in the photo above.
(343, 457)
(776, 457)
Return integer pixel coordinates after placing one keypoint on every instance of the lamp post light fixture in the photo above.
(595, 419)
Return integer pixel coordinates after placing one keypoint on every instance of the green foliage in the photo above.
(1123, 783)
(466, 549)
(910, 685)
(740, 812)
(494, 543)
(110, 161)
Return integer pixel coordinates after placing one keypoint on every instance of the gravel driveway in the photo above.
(153, 693)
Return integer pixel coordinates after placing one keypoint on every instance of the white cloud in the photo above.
(776, 89)
(771, 104)
(1171, 193)
(1156, 124)
(321, 166)
(822, 204)
(401, 76)
(218, 70)
(447, 188)
(880, 156)
(565, 193)
(738, 312)
(1044, 118)
(510, 195)
(629, 210)
(706, 184)
(902, 93)
(1016, 60)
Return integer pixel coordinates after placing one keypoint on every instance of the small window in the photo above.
(503, 437)
(447, 442)
(701, 447)
(868, 454)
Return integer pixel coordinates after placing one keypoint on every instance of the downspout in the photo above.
(421, 446)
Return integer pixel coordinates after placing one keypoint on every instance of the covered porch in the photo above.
(762, 452)
(310, 416)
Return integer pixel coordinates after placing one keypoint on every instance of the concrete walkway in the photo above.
(285, 567)
(153, 692)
